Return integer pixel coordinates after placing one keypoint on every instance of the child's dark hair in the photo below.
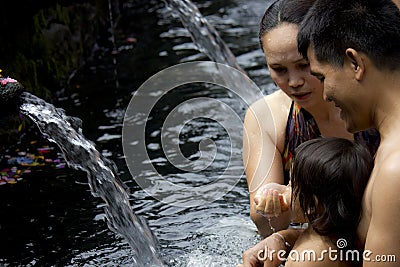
(328, 177)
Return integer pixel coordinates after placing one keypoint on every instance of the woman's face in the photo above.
(289, 70)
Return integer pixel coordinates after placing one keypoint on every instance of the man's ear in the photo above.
(357, 63)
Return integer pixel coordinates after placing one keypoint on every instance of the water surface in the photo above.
(51, 218)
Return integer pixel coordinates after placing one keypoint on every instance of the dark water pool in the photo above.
(50, 217)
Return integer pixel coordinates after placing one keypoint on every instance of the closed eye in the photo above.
(279, 70)
(304, 66)
(319, 76)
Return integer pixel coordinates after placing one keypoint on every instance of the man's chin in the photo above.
(352, 128)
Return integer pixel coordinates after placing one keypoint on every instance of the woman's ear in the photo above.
(357, 63)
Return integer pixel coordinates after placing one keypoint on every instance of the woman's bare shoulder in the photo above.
(277, 102)
(270, 113)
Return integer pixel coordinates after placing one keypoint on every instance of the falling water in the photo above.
(203, 34)
(114, 48)
(104, 182)
(81, 154)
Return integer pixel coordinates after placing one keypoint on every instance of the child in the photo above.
(328, 178)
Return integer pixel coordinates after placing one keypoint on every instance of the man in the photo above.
(354, 49)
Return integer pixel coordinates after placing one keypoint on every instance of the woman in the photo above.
(298, 111)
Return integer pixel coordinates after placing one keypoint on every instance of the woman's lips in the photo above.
(301, 96)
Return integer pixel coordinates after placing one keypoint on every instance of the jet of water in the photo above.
(82, 154)
(203, 34)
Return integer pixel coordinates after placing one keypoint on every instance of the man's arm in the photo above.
(382, 246)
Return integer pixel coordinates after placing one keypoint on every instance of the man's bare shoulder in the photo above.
(387, 167)
(386, 176)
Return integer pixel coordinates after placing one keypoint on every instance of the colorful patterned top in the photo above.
(301, 127)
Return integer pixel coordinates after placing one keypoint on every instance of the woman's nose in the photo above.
(295, 80)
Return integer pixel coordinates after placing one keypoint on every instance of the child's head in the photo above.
(329, 176)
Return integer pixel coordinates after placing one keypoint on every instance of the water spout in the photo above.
(82, 154)
(203, 34)
(10, 92)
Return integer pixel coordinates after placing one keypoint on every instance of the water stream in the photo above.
(204, 35)
(214, 234)
(104, 182)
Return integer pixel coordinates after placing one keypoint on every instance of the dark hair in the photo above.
(328, 177)
(279, 11)
(369, 26)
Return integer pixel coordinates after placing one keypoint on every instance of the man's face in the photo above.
(342, 88)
